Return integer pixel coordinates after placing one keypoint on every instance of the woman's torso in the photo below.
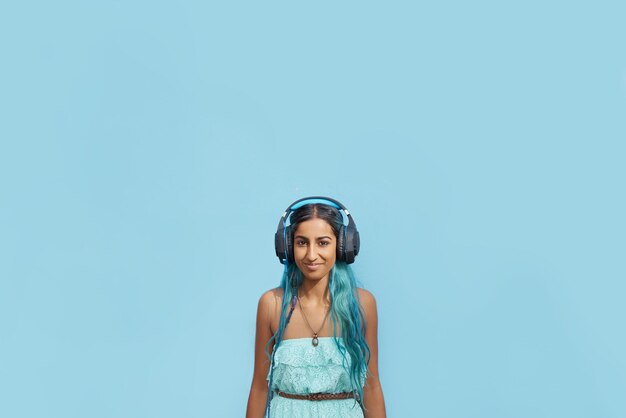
(302, 368)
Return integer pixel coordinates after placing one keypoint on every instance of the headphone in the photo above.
(348, 241)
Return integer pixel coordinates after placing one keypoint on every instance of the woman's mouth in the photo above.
(313, 266)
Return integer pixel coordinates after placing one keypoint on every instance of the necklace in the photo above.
(315, 340)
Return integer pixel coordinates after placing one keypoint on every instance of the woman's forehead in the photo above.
(314, 227)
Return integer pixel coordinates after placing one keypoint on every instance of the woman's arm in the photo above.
(258, 390)
(372, 392)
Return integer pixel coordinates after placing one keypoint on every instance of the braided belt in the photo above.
(317, 396)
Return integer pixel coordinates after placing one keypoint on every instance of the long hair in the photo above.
(345, 308)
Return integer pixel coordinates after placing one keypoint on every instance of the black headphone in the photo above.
(348, 241)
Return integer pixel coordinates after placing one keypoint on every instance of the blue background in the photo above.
(148, 150)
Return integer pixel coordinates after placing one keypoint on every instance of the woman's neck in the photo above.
(314, 293)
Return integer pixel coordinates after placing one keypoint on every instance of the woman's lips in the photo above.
(313, 266)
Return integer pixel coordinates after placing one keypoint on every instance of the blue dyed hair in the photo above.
(345, 308)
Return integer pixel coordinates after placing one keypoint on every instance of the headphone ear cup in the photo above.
(351, 244)
(279, 244)
(341, 244)
(357, 242)
(289, 245)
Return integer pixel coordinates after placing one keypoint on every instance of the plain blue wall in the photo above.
(148, 150)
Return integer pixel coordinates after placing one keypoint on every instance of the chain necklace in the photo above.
(315, 340)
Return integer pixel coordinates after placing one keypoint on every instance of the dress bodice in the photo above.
(302, 368)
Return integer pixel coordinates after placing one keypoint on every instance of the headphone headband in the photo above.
(313, 200)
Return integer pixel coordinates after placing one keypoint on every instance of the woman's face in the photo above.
(314, 248)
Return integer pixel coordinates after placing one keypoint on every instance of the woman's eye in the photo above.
(300, 242)
(324, 243)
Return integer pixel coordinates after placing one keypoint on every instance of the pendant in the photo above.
(315, 341)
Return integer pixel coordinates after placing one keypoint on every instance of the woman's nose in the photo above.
(311, 253)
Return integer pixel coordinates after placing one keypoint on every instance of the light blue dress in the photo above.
(301, 368)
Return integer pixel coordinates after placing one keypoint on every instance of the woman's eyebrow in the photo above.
(305, 238)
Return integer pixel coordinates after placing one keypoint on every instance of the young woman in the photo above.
(316, 334)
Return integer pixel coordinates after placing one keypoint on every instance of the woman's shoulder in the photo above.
(270, 303)
(365, 295)
(367, 299)
(272, 297)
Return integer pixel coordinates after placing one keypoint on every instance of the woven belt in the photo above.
(317, 396)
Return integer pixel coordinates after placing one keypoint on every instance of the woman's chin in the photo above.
(313, 275)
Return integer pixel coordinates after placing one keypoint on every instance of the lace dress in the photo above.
(301, 368)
